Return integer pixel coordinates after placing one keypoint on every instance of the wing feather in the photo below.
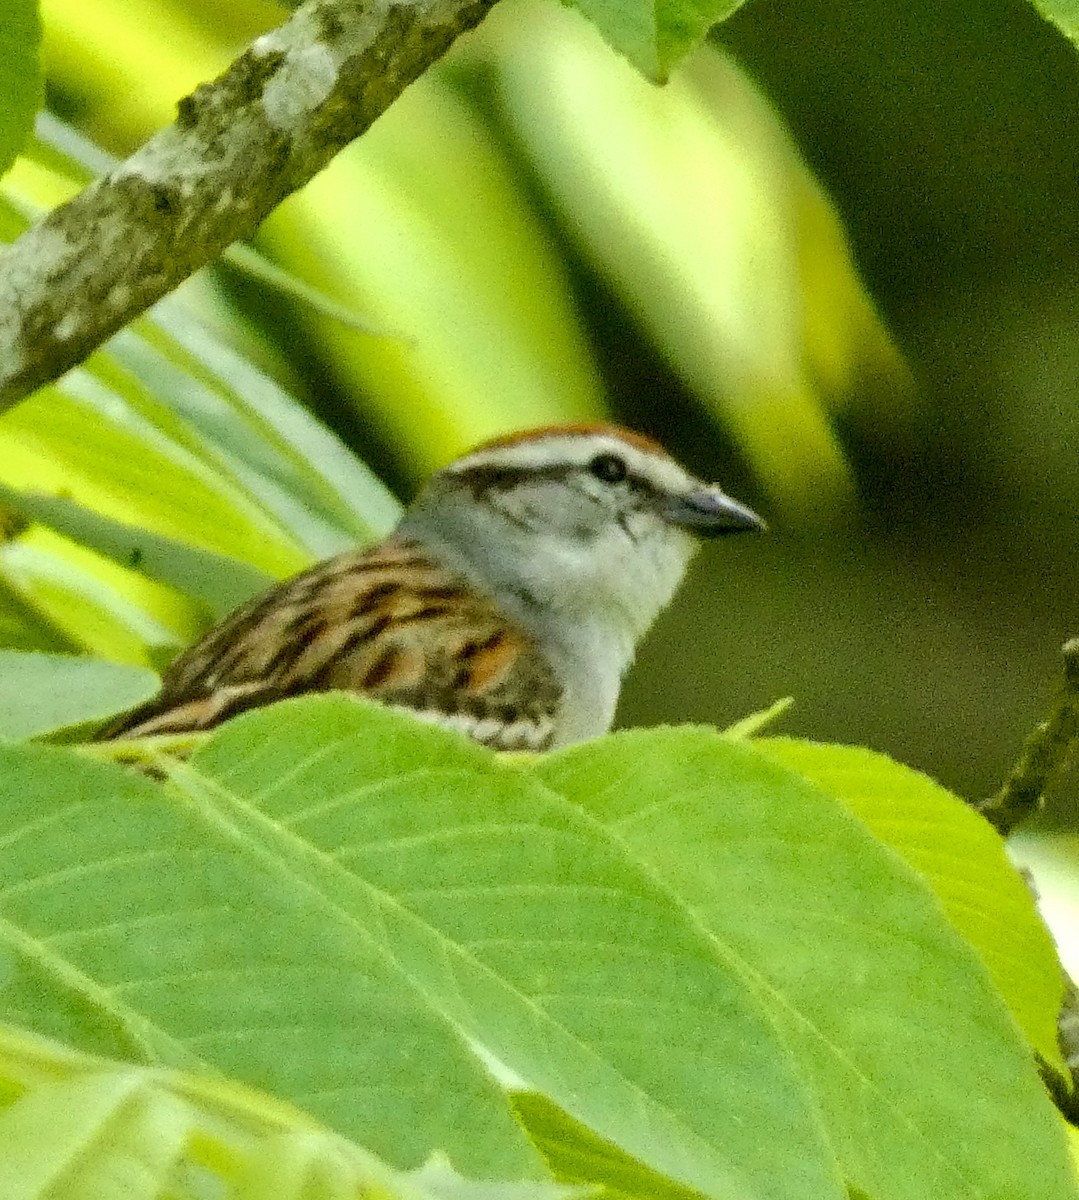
(390, 623)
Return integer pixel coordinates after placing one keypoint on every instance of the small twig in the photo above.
(1043, 757)
(756, 722)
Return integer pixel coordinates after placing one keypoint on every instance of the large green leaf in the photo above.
(143, 925)
(961, 858)
(522, 923)
(376, 919)
(43, 693)
(926, 1085)
(369, 916)
(21, 87)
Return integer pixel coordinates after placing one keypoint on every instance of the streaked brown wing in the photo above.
(389, 623)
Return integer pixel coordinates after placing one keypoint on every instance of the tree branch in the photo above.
(1044, 755)
(239, 146)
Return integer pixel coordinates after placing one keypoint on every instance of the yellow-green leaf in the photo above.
(962, 859)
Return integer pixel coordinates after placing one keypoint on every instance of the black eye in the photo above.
(608, 467)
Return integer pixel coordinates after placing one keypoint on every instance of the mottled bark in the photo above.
(239, 146)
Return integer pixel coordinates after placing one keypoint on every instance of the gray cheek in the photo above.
(522, 507)
(562, 511)
(542, 506)
(641, 524)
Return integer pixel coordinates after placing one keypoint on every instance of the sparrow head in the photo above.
(585, 519)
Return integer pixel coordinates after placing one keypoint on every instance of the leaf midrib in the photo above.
(268, 833)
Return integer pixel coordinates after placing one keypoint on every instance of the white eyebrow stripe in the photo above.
(568, 450)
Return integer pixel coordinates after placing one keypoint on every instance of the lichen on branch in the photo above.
(238, 147)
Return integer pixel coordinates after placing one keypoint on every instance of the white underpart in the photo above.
(591, 645)
(521, 735)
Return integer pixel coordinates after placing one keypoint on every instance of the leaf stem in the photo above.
(145, 751)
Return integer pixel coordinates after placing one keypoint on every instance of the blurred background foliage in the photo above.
(532, 234)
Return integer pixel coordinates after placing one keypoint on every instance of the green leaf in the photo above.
(655, 36)
(961, 858)
(521, 924)
(141, 923)
(43, 693)
(21, 85)
(1064, 14)
(101, 607)
(377, 919)
(80, 438)
(926, 1087)
(299, 468)
(219, 582)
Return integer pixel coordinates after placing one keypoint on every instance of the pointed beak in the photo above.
(708, 512)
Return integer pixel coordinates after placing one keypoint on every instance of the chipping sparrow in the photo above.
(507, 603)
